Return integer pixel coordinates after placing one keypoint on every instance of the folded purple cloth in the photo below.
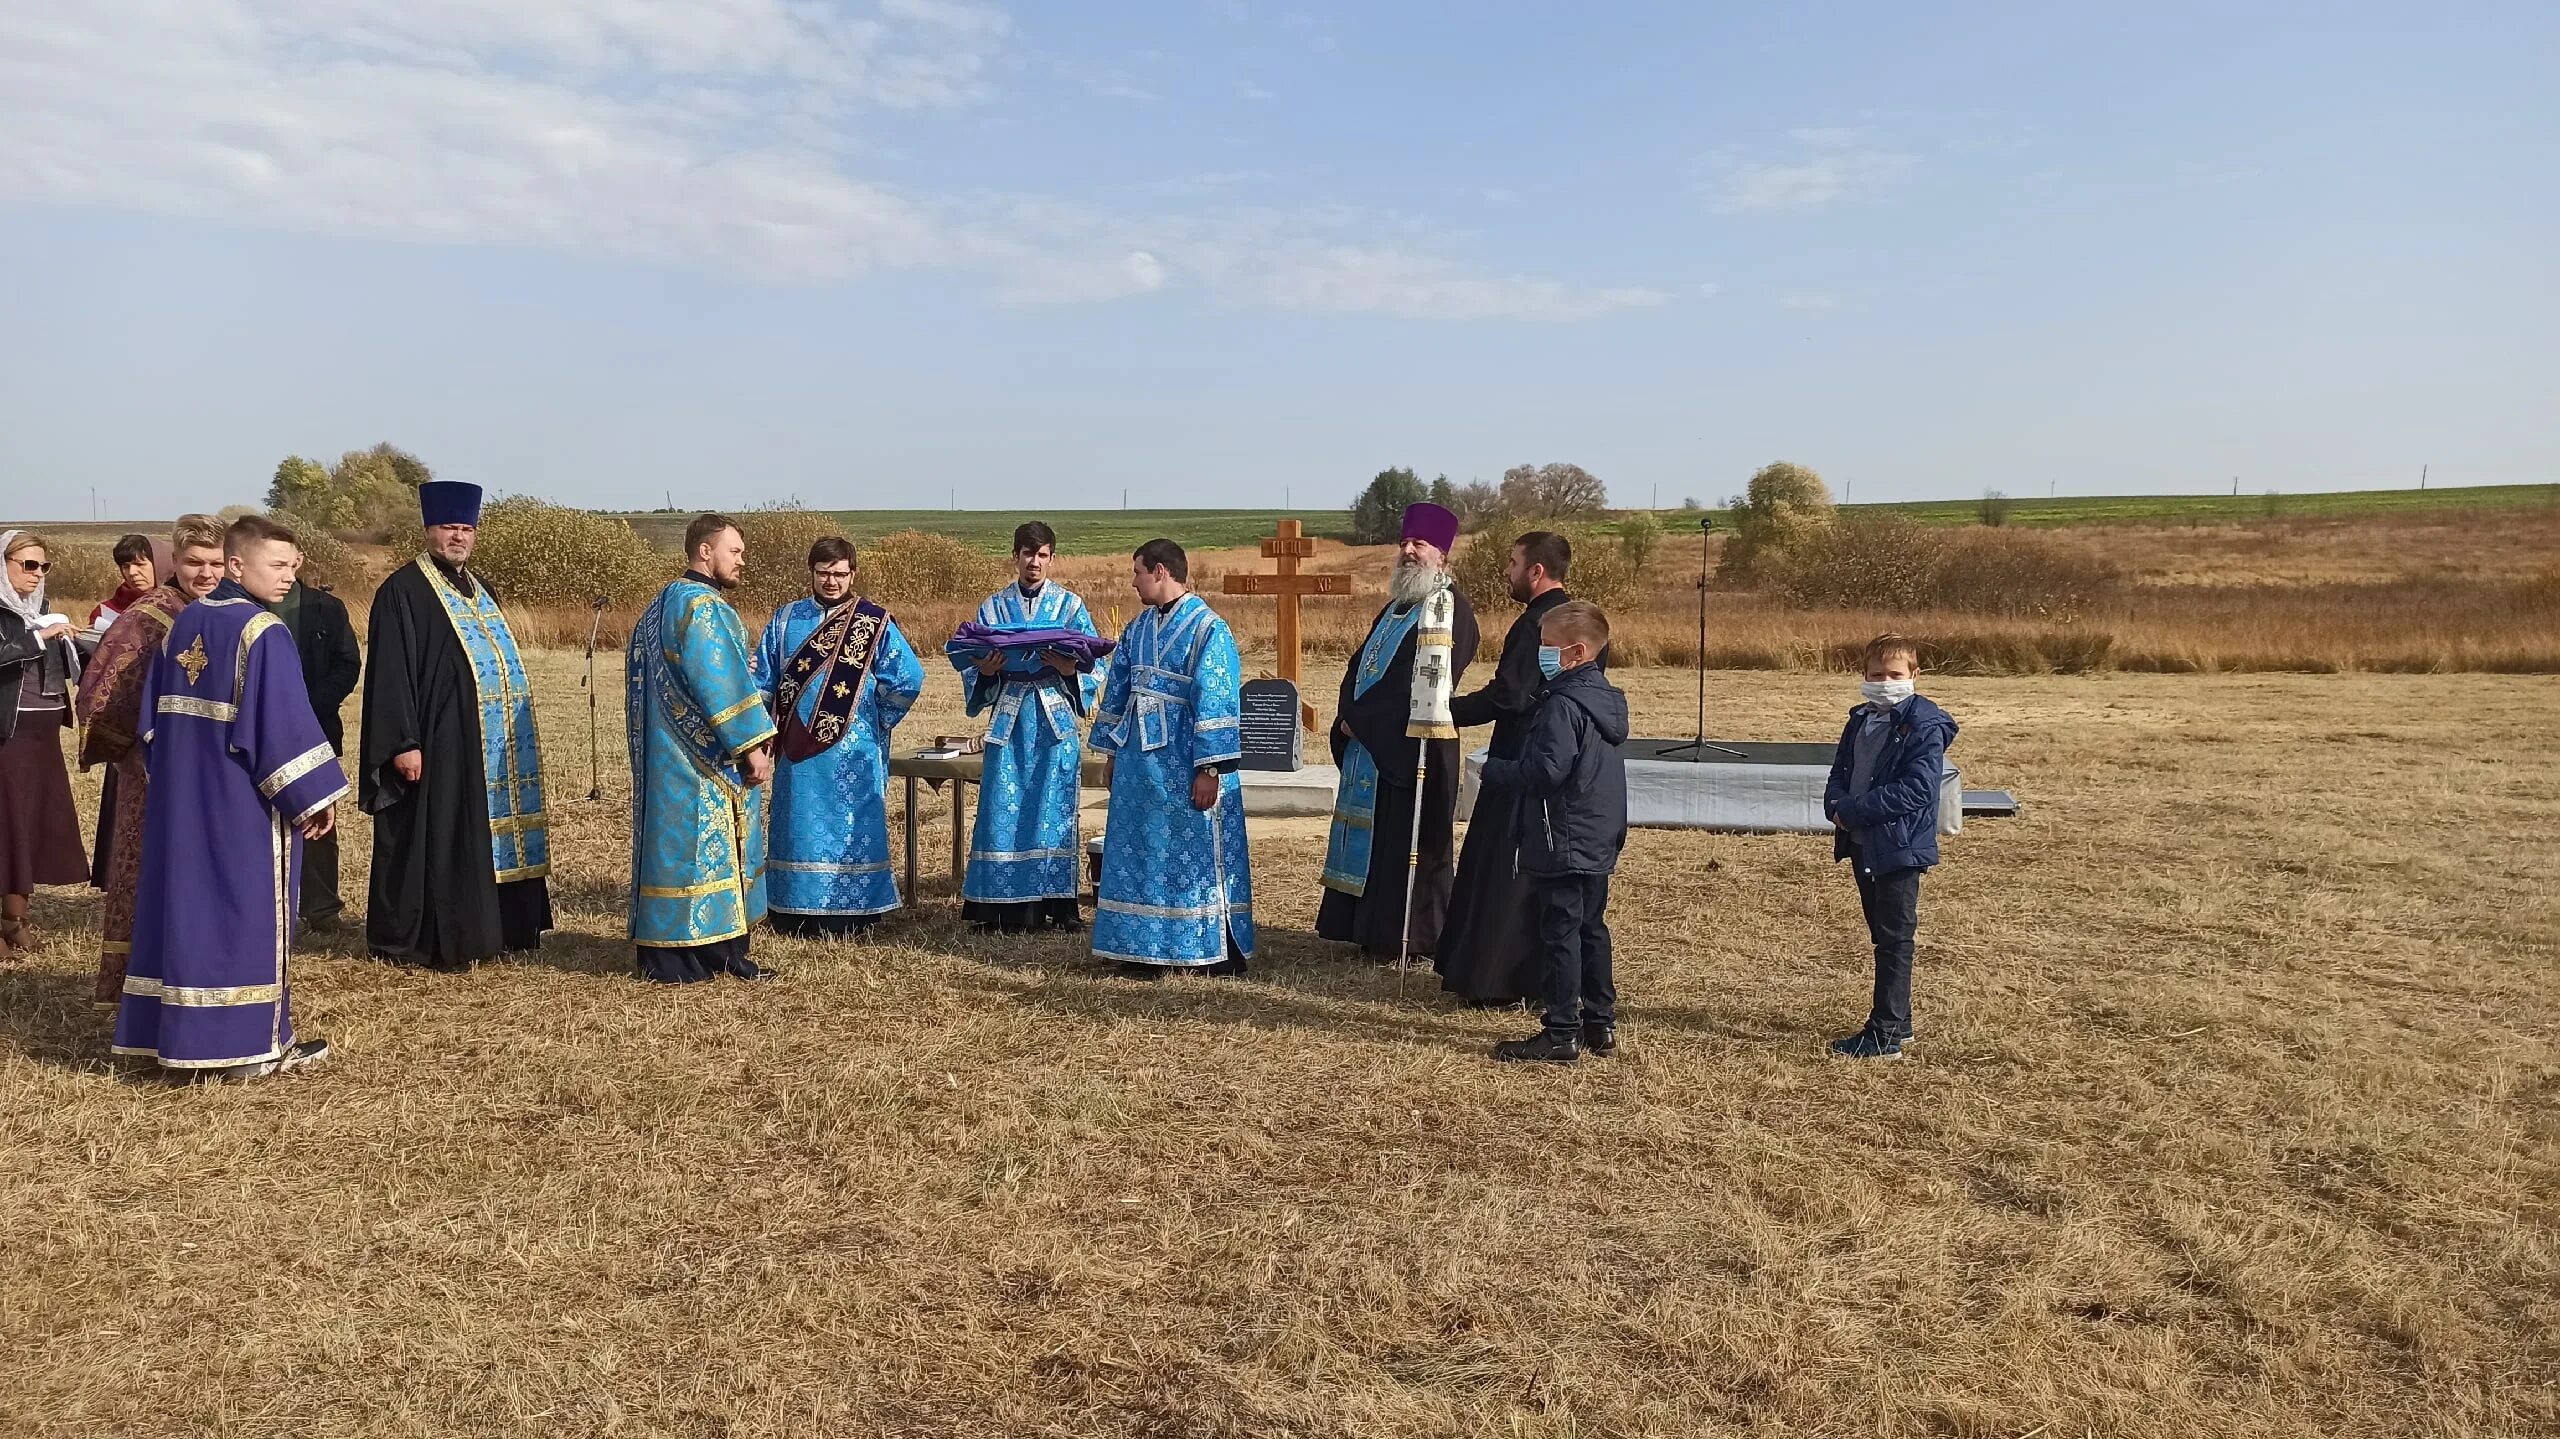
(1022, 646)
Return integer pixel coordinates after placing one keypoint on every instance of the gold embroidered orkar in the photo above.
(193, 660)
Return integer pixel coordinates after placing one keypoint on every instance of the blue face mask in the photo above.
(1550, 660)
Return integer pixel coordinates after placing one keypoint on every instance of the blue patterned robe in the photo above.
(691, 711)
(830, 818)
(1027, 844)
(237, 762)
(1177, 882)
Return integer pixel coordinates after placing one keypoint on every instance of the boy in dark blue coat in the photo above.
(1882, 801)
(1571, 776)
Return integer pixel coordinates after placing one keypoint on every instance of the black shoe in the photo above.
(1867, 1044)
(1132, 969)
(1547, 1047)
(1601, 1040)
(754, 973)
(1229, 968)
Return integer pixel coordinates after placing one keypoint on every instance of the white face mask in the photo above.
(1885, 694)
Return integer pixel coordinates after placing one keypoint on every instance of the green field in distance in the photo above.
(1103, 532)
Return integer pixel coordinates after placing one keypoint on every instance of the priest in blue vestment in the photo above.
(838, 676)
(1177, 879)
(1380, 842)
(701, 753)
(1026, 854)
(240, 775)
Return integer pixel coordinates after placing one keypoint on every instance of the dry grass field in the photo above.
(2233, 1115)
(2429, 591)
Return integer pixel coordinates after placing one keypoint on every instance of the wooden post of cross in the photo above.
(1285, 549)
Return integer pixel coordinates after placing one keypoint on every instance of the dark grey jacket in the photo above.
(20, 648)
(1571, 777)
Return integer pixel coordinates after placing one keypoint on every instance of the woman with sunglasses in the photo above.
(39, 831)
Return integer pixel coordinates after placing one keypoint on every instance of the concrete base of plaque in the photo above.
(1275, 794)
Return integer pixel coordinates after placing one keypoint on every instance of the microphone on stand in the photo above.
(595, 790)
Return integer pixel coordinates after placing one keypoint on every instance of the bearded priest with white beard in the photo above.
(1370, 853)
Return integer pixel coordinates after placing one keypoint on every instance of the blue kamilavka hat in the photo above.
(448, 502)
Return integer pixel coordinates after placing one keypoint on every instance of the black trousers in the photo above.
(1581, 980)
(1892, 904)
(320, 900)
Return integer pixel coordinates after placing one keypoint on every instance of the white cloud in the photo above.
(707, 133)
(1816, 300)
(1839, 165)
(1708, 291)
(1250, 91)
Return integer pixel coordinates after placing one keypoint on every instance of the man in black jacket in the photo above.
(331, 664)
(1571, 778)
(1489, 952)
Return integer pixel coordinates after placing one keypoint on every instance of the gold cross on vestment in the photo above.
(192, 659)
(843, 689)
(1285, 548)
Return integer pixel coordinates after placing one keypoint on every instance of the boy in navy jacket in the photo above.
(1571, 777)
(1882, 801)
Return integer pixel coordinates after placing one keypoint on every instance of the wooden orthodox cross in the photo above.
(1285, 549)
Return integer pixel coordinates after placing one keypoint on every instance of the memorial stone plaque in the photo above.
(1267, 725)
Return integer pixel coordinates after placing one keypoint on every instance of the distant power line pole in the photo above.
(2422, 476)
(2235, 485)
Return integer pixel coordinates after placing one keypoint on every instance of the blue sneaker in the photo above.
(1867, 1044)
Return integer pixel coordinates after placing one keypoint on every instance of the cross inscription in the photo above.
(1285, 549)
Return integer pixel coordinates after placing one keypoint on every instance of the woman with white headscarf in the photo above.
(39, 830)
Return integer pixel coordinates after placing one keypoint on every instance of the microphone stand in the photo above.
(594, 790)
(1698, 746)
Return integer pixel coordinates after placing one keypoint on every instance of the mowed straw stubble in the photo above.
(2233, 1114)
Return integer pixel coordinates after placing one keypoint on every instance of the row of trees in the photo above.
(1557, 492)
(371, 492)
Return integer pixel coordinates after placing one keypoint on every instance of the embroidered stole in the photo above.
(837, 658)
(1355, 801)
(510, 752)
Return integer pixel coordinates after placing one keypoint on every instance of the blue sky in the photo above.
(868, 254)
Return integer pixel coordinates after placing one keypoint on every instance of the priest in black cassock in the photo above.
(451, 770)
(1489, 952)
(1367, 856)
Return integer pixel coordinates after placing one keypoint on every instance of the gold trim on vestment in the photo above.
(282, 830)
(201, 709)
(295, 768)
(183, 996)
(258, 624)
(688, 891)
(754, 698)
(317, 805)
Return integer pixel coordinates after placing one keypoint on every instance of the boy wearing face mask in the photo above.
(1882, 801)
(1571, 777)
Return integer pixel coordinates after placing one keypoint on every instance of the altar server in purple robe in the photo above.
(240, 775)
